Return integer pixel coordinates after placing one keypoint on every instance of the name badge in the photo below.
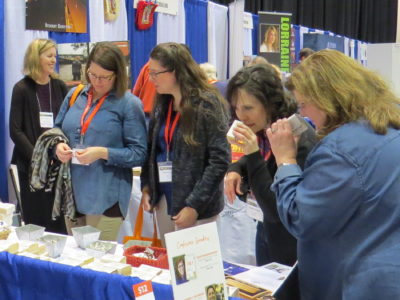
(74, 160)
(46, 120)
(165, 171)
(253, 210)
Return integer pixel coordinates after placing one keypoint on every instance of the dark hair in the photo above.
(263, 82)
(108, 56)
(305, 52)
(193, 85)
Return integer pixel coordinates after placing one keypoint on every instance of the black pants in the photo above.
(38, 206)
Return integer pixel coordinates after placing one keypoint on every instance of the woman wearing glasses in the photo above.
(35, 102)
(188, 153)
(107, 137)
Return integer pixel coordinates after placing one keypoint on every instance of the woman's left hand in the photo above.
(283, 142)
(186, 217)
(245, 139)
(91, 154)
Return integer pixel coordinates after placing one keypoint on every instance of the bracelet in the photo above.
(285, 164)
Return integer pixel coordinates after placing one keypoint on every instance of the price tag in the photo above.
(143, 291)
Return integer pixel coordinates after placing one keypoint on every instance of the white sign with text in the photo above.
(170, 7)
(195, 263)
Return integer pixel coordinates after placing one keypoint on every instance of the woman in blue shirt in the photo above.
(107, 137)
(344, 207)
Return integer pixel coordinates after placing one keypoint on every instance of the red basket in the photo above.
(159, 253)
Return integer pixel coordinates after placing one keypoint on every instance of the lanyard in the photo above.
(38, 100)
(264, 149)
(85, 124)
(169, 133)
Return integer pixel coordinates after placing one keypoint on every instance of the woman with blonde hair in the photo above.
(344, 207)
(271, 40)
(35, 102)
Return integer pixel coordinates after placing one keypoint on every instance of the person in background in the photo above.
(107, 138)
(188, 153)
(344, 207)
(257, 97)
(211, 72)
(304, 53)
(76, 69)
(211, 293)
(271, 40)
(145, 90)
(36, 100)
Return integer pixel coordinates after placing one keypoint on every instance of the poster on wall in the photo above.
(56, 15)
(72, 59)
(275, 38)
(195, 263)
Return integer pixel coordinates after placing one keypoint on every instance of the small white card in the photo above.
(165, 171)
(253, 210)
(195, 263)
(74, 160)
(46, 119)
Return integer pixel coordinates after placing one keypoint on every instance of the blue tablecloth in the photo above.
(23, 278)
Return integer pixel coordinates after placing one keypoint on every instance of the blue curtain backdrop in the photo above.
(255, 34)
(196, 29)
(3, 168)
(141, 42)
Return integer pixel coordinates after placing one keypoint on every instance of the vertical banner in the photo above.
(274, 39)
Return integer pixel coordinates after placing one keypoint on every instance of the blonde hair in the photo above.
(345, 91)
(275, 44)
(210, 70)
(32, 66)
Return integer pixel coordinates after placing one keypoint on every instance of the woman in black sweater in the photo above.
(35, 102)
(258, 100)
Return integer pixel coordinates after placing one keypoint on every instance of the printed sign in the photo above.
(194, 257)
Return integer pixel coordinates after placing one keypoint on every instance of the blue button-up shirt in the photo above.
(119, 125)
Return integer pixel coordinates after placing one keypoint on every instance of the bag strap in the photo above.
(75, 94)
(137, 232)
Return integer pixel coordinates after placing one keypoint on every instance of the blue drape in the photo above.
(196, 29)
(3, 133)
(255, 34)
(141, 42)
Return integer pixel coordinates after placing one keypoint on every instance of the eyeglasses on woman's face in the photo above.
(99, 78)
(154, 74)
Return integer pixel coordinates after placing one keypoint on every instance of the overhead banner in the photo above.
(274, 39)
(57, 15)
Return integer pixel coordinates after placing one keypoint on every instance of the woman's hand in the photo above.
(91, 154)
(283, 143)
(245, 138)
(63, 152)
(146, 199)
(232, 186)
(186, 217)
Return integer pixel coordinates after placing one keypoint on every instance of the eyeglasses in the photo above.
(100, 78)
(154, 75)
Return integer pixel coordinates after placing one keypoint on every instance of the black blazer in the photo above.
(24, 118)
(258, 175)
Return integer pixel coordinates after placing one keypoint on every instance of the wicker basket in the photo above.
(161, 260)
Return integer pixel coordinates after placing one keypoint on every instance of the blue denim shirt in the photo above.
(344, 209)
(119, 126)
